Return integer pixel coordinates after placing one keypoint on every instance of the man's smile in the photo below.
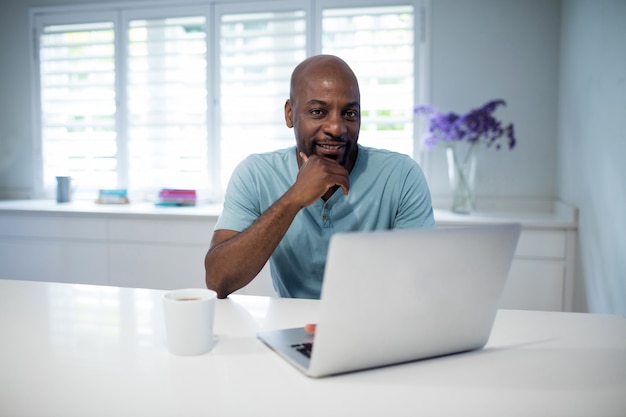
(327, 149)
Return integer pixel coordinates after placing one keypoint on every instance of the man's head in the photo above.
(324, 108)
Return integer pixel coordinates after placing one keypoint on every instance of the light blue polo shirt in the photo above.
(387, 191)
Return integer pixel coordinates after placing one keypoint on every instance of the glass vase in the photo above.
(462, 174)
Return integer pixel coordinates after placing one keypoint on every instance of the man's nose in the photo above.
(335, 125)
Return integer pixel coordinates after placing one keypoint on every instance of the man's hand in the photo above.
(319, 176)
(310, 328)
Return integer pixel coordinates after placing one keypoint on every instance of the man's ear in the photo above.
(288, 114)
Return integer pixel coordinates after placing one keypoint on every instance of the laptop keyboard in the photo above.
(304, 348)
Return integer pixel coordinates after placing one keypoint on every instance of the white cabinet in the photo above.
(541, 277)
(164, 253)
(143, 246)
(535, 284)
(139, 246)
(44, 248)
(104, 245)
(82, 262)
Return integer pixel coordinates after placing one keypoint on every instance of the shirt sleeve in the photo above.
(415, 209)
(241, 202)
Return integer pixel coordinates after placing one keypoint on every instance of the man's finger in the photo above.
(310, 328)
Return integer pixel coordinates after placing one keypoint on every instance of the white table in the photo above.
(77, 350)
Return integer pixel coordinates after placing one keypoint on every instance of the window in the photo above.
(166, 103)
(378, 44)
(258, 52)
(144, 98)
(78, 112)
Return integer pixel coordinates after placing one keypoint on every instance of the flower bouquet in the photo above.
(470, 129)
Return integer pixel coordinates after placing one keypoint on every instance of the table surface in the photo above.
(79, 350)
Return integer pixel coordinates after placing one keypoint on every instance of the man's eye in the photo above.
(352, 114)
(317, 112)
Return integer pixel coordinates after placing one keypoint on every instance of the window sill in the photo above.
(535, 214)
(90, 208)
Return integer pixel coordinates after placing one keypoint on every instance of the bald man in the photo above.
(284, 206)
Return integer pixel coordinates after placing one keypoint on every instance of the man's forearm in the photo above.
(232, 263)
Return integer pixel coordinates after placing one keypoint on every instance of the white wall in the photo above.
(592, 144)
(489, 49)
(16, 147)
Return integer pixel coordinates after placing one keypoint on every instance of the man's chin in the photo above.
(340, 159)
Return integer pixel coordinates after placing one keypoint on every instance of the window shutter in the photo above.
(167, 103)
(258, 51)
(77, 87)
(378, 43)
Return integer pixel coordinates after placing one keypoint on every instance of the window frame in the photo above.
(121, 13)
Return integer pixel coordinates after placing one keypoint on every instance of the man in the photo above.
(287, 204)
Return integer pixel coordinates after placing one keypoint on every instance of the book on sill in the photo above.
(113, 196)
(172, 197)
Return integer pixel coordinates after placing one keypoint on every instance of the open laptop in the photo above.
(390, 297)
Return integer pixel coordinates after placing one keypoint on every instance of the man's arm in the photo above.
(235, 258)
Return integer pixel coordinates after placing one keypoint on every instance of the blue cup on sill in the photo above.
(64, 189)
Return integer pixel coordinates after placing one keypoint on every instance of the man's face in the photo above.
(325, 112)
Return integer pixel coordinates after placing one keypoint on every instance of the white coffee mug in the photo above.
(189, 316)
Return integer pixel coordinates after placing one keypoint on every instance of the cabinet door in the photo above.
(80, 262)
(53, 227)
(163, 231)
(539, 243)
(160, 254)
(156, 266)
(534, 284)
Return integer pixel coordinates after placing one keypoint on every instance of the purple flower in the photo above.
(478, 125)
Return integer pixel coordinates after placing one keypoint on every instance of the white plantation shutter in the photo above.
(166, 98)
(258, 51)
(77, 85)
(378, 43)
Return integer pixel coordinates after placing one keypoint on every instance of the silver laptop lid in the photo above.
(395, 296)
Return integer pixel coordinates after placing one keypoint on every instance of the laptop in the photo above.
(391, 297)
